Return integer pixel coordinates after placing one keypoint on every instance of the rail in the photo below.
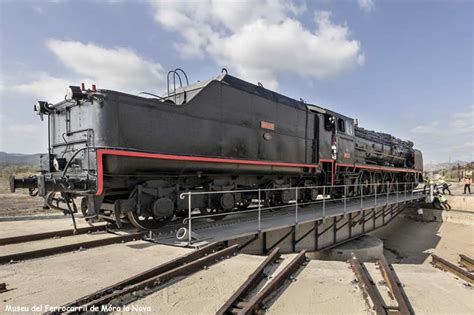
(370, 289)
(150, 279)
(467, 262)
(445, 265)
(256, 303)
(232, 304)
(377, 192)
(46, 235)
(396, 287)
(69, 248)
(368, 285)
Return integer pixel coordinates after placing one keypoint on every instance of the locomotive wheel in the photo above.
(350, 190)
(244, 204)
(365, 184)
(387, 186)
(313, 194)
(146, 222)
(269, 197)
(205, 211)
(378, 187)
(394, 186)
(285, 197)
(307, 192)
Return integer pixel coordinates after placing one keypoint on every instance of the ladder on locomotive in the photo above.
(174, 74)
(328, 169)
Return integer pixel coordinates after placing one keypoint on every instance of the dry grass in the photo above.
(18, 171)
(7, 171)
(18, 203)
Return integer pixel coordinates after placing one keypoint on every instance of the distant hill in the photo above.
(445, 165)
(8, 159)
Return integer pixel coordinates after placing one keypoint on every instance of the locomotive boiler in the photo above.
(129, 157)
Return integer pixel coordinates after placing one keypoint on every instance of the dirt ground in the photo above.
(19, 203)
(322, 287)
(53, 242)
(325, 287)
(329, 287)
(203, 292)
(20, 227)
(62, 278)
(458, 200)
(457, 189)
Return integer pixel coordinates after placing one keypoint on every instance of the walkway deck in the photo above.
(238, 226)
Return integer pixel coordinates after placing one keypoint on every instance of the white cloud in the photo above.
(451, 138)
(366, 5)
(260, 39)
(427, 129)
(45, 87)
(29, 137)
(111, 68)
(463, 123)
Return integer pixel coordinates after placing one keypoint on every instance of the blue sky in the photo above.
(402, 67)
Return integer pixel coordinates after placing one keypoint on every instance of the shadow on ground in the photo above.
(407, 241)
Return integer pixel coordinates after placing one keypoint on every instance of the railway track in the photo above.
(243, 302)
(466, 262)
(149, 281)
(43, 252)
(52, 234)
(369, 287)
(445, 265)
(255, 294)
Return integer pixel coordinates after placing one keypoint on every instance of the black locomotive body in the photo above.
(131, 157)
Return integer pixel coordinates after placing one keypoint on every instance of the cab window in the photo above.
(349, 127)
(341, 125)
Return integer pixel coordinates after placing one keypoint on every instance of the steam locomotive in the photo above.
(129, 157)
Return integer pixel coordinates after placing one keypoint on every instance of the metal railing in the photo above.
(349, 192)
